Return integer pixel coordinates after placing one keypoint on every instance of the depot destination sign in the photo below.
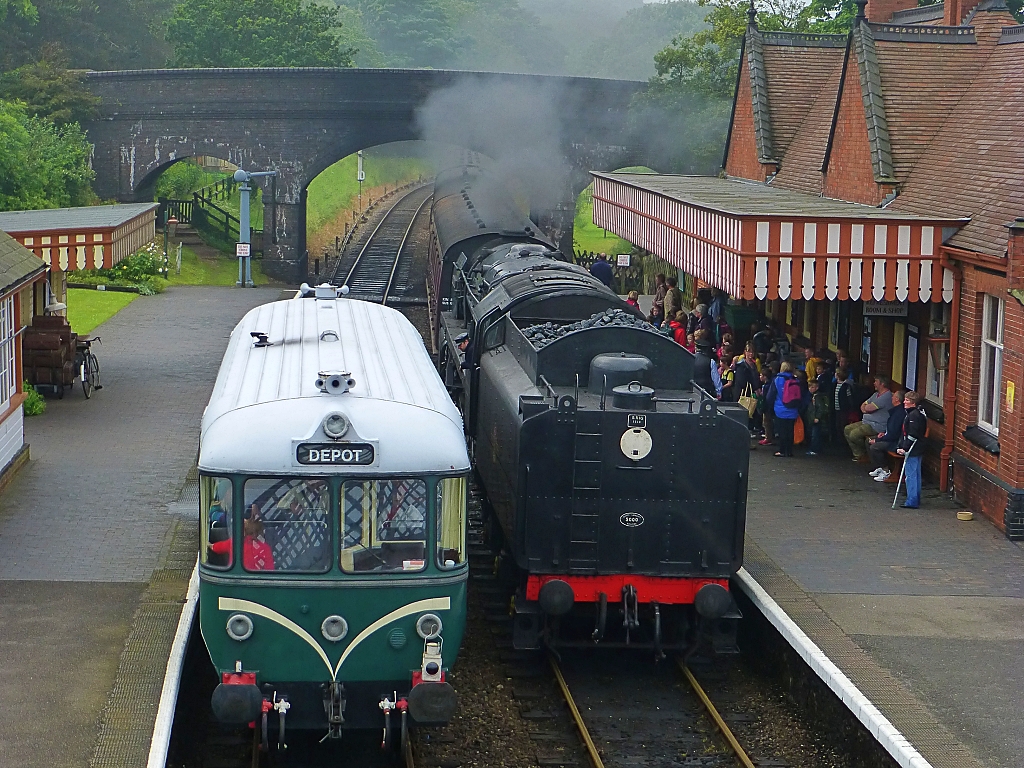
(334, 453)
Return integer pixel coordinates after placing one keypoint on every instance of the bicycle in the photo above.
(88, 365)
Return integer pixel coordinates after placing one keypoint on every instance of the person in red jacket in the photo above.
(256, 553)
(678, 326)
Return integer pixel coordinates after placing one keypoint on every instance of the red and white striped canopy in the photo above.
(759, 242)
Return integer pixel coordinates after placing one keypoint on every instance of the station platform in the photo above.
(924, 613)
(97, 542)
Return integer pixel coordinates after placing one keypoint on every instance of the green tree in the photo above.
(113, 34)
(415, 33)
(256, 33)
(50, 91)
(21, 8)
(42, 165)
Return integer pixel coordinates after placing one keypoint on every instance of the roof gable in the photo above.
(742, 151)
(797, 68)
(17, 263)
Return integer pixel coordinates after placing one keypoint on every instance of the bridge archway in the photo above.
(300, 121)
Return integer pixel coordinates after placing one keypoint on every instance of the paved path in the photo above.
(88, 520)
(937, 603)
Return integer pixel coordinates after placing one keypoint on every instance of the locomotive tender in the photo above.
(614, 479)
(333, 472)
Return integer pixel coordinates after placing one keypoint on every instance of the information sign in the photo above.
(242, 250)
(622, 260)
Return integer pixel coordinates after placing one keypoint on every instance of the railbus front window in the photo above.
(383, 525)
(451, 521)
(285, 524)
(216, 513)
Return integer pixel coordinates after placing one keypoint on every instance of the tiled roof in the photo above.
(798, 68)
(874, 102)
(800, 169)
(921, 82)
(759, 95)
(974, 165)
(922, 14)
(17, 263)
(87, 217)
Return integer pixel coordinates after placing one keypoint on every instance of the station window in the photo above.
(451, 522)
(383, 524)
(216, 515)
(938, 352)
(991, 363)
(285, 525)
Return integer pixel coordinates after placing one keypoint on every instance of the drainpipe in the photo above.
(949, 397)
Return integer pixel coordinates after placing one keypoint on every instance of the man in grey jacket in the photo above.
(876, 413)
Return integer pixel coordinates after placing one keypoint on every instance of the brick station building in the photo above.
(870, 200)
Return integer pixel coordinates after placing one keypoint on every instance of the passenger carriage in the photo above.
(333, 475)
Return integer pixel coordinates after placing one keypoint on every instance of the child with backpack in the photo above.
(786, 397)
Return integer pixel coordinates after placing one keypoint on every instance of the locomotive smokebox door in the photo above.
(636, 443)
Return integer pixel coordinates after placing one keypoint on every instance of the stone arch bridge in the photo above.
(299, 121)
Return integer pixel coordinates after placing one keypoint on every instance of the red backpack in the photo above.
(791, 393)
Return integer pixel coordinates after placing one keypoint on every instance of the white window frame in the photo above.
(8, 360)
(991, 352)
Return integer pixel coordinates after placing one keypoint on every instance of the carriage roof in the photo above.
(266, 401)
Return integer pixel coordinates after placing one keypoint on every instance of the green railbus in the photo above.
(333, 484)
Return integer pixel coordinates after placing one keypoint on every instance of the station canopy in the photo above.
(756, 241)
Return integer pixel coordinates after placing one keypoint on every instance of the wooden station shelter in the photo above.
(20, 272)
(92, 237)
(873, 200)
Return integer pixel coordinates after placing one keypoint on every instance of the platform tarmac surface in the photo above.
(924, 612)
(94, 551)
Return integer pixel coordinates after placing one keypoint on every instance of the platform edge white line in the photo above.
(894, 742)
(161, 739)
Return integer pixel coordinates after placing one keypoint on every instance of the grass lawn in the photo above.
(586, 235)
(88, 309)
(206, 271)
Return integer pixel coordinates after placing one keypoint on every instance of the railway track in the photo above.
(375, 273)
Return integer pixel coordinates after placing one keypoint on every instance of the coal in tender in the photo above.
(542, 334)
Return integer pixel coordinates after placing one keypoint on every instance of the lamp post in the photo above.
(360, 176)
(244, 246)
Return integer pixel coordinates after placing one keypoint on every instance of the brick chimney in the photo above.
(955, 11)
(881, 11)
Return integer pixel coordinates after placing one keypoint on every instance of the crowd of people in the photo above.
(794, 392)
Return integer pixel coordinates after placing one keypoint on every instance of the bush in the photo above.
(34, 402)
(141, 270)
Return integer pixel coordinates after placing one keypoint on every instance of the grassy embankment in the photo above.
(333, 195)
(586, 235)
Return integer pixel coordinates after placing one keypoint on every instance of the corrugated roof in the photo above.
(747, 198)
(17, 263)
(86, 217)
(266, 398)
(973, 166)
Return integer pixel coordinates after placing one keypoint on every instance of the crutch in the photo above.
(913, 442)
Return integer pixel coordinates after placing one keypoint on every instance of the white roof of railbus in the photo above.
(266, 402)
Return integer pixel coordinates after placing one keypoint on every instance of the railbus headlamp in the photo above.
(239, 627)
(428, 626)
(334, 628)
(336, 426)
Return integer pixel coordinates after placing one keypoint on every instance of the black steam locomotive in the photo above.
(613, 477)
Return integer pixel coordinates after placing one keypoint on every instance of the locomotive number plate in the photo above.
(637, 420)
(631, 519)
(334, 453)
